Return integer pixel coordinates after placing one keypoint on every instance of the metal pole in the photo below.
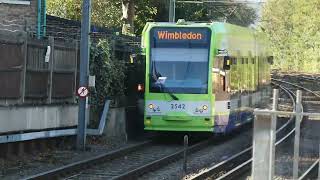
(84, 70)
(297, 136)
(172, 10)
(264, 133)
(319, 164)
(185, 143)
(273, 133)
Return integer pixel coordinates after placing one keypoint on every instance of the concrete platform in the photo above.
(25, 118)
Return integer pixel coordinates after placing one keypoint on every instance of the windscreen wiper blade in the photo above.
(174, 97)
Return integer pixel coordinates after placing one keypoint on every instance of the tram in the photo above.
(203, 77)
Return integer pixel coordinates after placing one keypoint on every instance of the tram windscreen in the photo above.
(179, 60)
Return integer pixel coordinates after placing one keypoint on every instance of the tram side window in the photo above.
(234, 61)
(215, 75)
(235, 86)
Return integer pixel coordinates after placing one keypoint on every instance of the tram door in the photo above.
(220, 78)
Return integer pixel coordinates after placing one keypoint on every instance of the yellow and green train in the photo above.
(203, 77)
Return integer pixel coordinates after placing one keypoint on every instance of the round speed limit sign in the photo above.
(83, 92)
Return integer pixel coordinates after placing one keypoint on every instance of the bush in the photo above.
(109, 72)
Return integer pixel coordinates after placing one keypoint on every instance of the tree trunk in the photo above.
(128, 12)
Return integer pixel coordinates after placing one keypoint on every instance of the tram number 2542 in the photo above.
(178, 106)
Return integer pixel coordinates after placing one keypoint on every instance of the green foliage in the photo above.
(70, 9)
(293, 29)
(106, 13)
(103, 12)
(235, 14)
(109, 72)
(109, 12)
(145, 12)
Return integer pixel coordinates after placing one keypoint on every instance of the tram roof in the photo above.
(236, 39)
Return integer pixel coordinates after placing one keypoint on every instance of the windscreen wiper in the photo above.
(174, 97)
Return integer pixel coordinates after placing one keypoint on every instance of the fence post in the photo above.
(319, 164)
(297, 136)
(273, 131)
(264, 133)
(24, 70)
(185, 144)
(51, 67)
(75, 71)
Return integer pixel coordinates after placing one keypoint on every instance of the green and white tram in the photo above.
(203, 77)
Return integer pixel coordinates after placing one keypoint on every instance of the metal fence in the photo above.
(36, 71)
(264, 136)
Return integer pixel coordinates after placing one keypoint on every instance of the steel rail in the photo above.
(54, 173)
(77, 166)
(310, 169)
(161, 162)
(215, 169)
(317, 162)
(173, 157)
(301, 87)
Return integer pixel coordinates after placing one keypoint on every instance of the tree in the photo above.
(109, 13)
(128, 13)
(238, 14)
(293, 30)
(135, 13)
(109, 72)
(103, 13)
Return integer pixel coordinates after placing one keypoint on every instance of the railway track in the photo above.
(133, 163)
(126, 163)
(240, 163)
(309, 147)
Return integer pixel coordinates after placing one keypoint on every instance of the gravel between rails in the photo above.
(221, 171)
(30, 164)
(309, 138)
(213, 154)
(130, 161)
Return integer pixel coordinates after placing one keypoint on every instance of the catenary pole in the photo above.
(172, 9)
(84, 73)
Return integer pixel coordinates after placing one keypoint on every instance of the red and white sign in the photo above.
(83, 92)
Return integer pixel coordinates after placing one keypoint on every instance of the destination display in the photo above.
(180, 37)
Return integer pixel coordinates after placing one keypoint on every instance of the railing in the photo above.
(264, 138)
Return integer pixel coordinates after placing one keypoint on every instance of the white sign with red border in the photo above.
(83, 92)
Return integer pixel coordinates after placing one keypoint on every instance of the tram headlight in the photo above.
(204, 107)
(151, 106)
